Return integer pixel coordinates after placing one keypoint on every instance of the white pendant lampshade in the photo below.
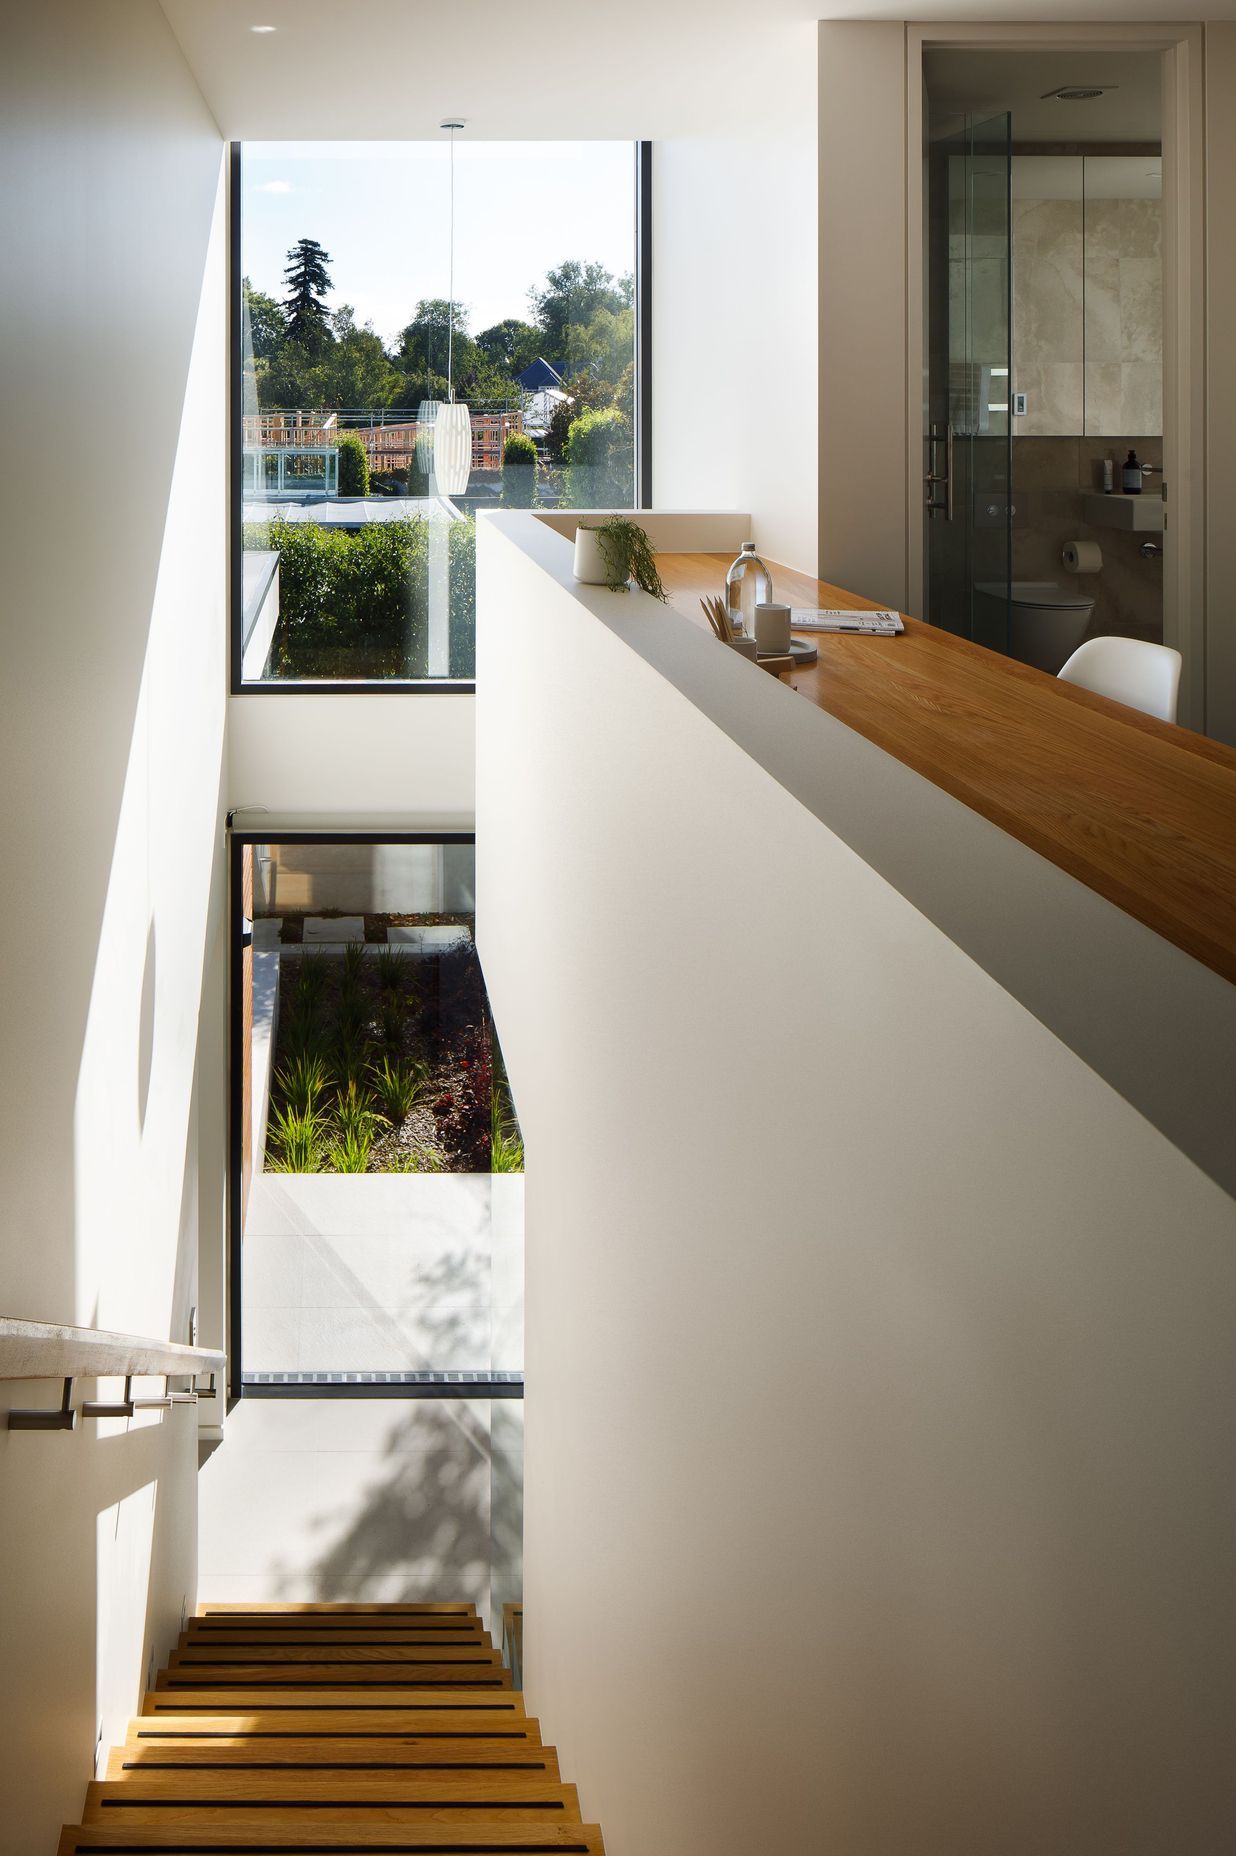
(452, 448)
(426, 419)
(452, 432)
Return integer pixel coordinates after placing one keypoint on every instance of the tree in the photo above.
(510, 346)
(600, 461)
(519, 472)
(353, 468)
(573, 294)
(267, 329)
(308, 280)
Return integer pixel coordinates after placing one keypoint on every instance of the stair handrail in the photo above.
(46, 1350)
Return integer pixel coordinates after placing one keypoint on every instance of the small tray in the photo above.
(801, 650)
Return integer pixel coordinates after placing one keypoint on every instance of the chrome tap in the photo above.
(1150, 551)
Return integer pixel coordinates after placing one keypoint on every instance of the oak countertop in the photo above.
(1142, 812)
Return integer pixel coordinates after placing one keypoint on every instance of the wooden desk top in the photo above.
(1142, 812)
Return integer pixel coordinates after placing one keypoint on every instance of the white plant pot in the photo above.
(591, 566)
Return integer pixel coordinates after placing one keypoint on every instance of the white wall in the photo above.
(400, 760)
(876, 1493)
(735, 411)
(1220, 380)
(112, 492)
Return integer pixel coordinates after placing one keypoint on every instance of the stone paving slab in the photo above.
(324, 930)
(433, 938)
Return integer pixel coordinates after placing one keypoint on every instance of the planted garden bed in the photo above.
(385, 1062)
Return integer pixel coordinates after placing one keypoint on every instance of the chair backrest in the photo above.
(1129, 670)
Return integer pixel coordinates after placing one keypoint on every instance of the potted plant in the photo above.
(613, 553)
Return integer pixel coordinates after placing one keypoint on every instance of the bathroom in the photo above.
(1044, 400)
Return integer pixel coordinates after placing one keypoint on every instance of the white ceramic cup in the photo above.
(772, 629)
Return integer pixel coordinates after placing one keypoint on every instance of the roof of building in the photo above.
(539, 373)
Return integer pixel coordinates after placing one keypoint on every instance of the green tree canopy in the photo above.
(572, 295)
(267, 329)
(308, 280)
(511, 345)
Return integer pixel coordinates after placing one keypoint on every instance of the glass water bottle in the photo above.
(747, 584)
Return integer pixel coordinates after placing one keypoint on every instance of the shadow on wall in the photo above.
(428, 1513)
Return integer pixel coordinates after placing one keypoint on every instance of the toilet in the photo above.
(1045, 624)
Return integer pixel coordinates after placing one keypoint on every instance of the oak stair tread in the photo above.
(192, 1698)
(322, 1834)
(333, 1675)
(160, 1733)
(359, 1609)
(281, 1756)
(271, 1731)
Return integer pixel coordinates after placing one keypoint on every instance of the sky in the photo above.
(381, 209)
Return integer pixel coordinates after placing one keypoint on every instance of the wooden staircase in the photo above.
(333, 1728)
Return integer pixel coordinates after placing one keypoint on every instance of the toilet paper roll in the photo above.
(1083, 557)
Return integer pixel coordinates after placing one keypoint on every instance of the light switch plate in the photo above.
(1019, 405)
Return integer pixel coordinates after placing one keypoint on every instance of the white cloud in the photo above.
(274, 186)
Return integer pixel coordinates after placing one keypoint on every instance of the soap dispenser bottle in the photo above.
(1131, 476)
(747, 584)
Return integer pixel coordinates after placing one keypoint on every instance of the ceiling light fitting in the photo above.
(452, 428)
(1078, 93)
(263, 28)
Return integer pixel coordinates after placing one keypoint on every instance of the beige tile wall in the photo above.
(1051, 476)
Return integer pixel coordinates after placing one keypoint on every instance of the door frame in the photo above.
(1184, 306)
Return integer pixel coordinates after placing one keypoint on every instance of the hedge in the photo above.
(354, 602)
(519, 472)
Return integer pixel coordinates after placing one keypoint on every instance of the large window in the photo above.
(357, 482)
(377, 1190)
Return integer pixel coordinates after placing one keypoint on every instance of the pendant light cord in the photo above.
(450, 308)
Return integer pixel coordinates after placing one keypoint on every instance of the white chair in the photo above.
(1129, 670)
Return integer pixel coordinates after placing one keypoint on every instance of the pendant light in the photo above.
(452, 432)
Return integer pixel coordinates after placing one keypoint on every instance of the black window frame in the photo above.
(290, 1384)
(400, 686)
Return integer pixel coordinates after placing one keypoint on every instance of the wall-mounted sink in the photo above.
(1143, 512)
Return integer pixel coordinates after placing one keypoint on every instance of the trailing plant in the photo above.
(628, 556)
(304, 1080)
(297, 1141)
(397, 1086)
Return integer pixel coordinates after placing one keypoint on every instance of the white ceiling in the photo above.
(392, 69)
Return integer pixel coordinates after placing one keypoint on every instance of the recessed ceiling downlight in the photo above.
(1078, 93)
(263, 28)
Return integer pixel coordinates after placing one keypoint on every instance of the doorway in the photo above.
(1045, 511)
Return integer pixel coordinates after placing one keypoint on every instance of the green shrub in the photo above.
(353, 468)
(304, 1080)
(397, 1086)
(350, 1153)
(352, 603)
(355, 603)
(395, 976)
(295, 1142)
(600, 461)
(519, 472)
